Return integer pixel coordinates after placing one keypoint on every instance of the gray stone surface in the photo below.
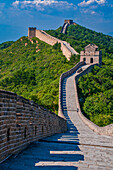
(78, 148)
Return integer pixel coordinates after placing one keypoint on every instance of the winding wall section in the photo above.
(64, 75)
(107, 130)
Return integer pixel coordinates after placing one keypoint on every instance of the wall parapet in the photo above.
(22, 121)
(66, 49)
(106, 130)
(66, 74)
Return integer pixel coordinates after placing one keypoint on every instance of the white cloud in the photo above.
(40, 4)
(16, 3)
(86, 3)
(101, 1)
(88, 11)
(94, 7)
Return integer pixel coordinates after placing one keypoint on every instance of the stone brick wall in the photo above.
(67, 50)
(43, 36)
(22, 122)
(107, 130)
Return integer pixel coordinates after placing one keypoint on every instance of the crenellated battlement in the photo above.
(31, 32)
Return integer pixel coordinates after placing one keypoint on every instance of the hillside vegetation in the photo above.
(96, 88)
(34, 75)
(6, 44)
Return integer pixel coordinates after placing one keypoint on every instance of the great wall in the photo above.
(83, 146)
(67, 50)
(65, 26)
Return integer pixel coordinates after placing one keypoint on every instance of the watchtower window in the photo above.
(91, 60)
(8, 134)
(84, 59)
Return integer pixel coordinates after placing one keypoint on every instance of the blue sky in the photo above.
(17, 15)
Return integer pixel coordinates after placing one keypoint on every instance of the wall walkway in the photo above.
(64, 28)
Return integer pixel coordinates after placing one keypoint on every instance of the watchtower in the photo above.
(91, 55)
(68, 21)
(31, 32)
(65, 26)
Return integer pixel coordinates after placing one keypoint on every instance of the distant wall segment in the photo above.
(43, 36)
(22, 121)
(67, 22)
(64, 28)
(67, 50)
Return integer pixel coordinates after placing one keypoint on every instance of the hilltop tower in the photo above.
(31, 32)
(69, 21)
(91, 55)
